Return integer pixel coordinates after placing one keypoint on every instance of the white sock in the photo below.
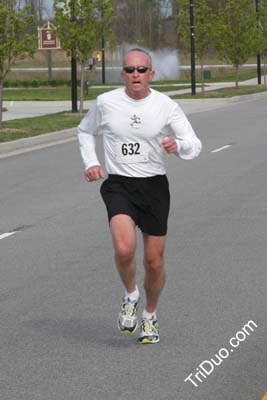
(133, 296)
(148, 315)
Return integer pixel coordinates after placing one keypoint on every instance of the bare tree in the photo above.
(41, 9)
(145, 22)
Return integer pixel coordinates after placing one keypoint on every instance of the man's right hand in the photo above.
(94, 173)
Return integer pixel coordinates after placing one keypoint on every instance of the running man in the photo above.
(139, 126)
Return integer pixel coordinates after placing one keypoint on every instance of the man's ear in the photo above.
(152, 74)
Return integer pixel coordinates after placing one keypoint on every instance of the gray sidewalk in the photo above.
(28, 109)
(25, 109)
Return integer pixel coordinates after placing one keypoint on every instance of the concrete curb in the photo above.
(247, 97)
(37, 142)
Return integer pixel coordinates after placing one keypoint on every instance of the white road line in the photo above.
(5, 235)
(221, 148)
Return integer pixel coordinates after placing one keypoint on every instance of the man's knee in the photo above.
(123, 234)
(154, 264)
(124, 251)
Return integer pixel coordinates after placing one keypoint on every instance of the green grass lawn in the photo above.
(228, 75)
(28, 127)
(47, 94)
(64, 93)
(224, 92)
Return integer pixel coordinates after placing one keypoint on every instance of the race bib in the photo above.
(131, 152)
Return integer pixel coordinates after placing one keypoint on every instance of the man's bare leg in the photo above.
(155, 275)
(124, 240)
(153, 283)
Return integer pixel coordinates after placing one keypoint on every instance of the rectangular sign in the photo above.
(47, 38)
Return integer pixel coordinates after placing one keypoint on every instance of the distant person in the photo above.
(91, 64)
(94, 63)
(140, 126)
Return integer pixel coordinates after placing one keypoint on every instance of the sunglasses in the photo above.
(140, 70)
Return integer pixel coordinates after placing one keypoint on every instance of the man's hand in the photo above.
(94, 173)
(169, 145)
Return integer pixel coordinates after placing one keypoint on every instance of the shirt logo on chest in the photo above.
(135, 121)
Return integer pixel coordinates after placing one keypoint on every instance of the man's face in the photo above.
(137, 83)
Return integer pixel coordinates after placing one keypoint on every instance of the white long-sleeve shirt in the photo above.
(133, 131)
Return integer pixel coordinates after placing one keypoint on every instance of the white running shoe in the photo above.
(149, 331)
(127, 320)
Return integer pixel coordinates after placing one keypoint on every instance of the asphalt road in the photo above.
(60, 294)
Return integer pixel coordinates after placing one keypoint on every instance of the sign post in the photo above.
(47, 40)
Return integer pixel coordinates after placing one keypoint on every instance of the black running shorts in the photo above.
(145, 200)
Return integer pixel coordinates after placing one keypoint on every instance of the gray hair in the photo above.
(141, 51)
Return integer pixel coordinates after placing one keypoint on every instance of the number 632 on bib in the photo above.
(131, 152)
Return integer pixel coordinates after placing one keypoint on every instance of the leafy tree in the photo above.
(236, 33)
(80, 24)
(14, 40)
(204, 28)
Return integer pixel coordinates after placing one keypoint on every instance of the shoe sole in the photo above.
(126, 332)
(147, 341)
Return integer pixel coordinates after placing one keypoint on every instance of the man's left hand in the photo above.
(169, 145)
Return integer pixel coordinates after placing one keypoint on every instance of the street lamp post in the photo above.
(74, 84)
(73, 69)
(258, 55)
(192, 35)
